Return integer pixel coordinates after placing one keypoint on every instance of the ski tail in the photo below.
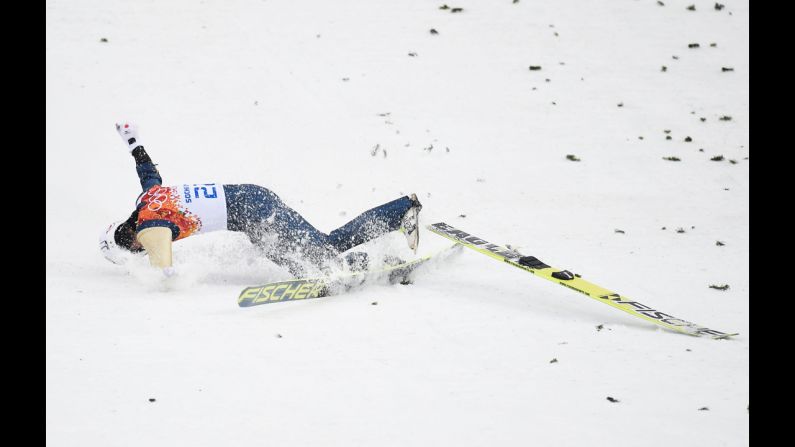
(574, 282)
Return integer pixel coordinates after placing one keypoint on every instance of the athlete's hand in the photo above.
(129, 133)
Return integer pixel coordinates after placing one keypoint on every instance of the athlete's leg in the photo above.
(285, 236)
(370, 224)
(296, 235)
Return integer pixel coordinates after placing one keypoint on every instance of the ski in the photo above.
(573, 281)
(319, 287)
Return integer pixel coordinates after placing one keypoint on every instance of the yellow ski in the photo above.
(307, 288)
(574, 282)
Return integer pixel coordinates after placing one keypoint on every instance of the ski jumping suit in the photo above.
(280, 231)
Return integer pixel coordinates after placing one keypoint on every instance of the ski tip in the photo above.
(706, 333)
(724, 336)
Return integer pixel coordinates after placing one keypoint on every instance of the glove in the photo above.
(129, 133)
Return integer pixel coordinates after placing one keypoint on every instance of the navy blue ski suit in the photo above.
(283, 234)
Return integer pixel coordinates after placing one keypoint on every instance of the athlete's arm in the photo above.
(146, 169)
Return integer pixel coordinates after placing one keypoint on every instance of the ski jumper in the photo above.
(282, 233)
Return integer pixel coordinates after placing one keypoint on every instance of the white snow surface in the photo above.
(294, 96)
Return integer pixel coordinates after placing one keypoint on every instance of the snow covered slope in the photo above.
(296, 96)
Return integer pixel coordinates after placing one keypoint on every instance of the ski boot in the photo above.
(409, 224)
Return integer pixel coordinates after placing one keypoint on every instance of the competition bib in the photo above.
(193, 208)
(207, 202)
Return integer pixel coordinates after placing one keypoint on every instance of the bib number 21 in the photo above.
(208, 191)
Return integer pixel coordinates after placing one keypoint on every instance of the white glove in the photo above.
(169, 271)
(129, 133)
